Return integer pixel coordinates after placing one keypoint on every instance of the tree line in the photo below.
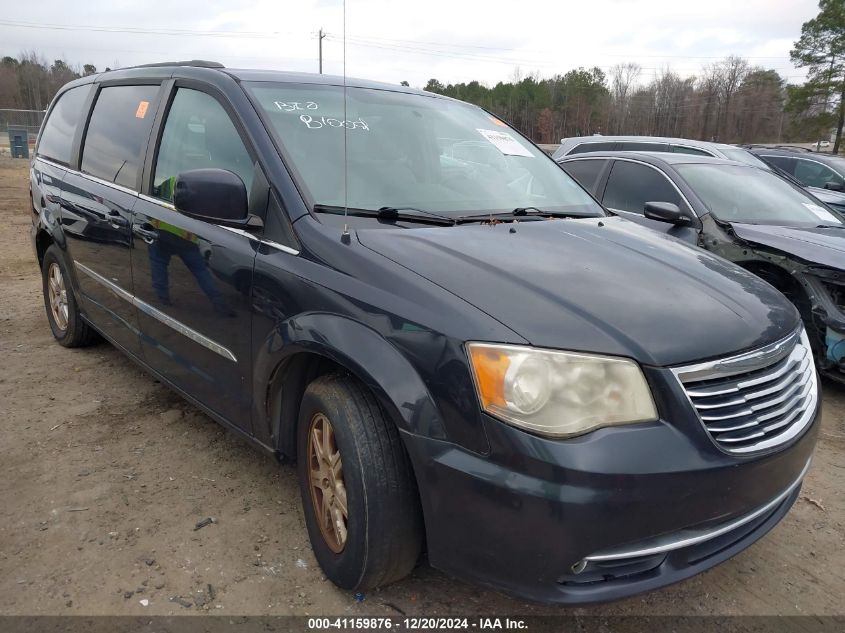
(729, 101)
(29, 82)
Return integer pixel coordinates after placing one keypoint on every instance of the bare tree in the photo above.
(731, 72)
(622, 80)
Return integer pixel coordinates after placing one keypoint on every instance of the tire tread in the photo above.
(394, 542)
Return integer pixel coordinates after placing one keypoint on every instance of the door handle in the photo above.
(145, 234)
(117, 221)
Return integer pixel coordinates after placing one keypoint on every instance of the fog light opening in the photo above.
(578, 567)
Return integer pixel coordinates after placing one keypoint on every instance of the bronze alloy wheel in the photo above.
(57, 294)
(328, 490)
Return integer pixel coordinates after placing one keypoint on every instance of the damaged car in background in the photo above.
(753, 217)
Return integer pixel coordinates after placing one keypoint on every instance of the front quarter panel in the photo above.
(399, 333)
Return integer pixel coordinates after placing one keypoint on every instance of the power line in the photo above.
(363, 39)
(147, 52)
(504, 49)
(485, 58)
(143, 31)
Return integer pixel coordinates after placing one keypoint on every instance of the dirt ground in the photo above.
(104, 473)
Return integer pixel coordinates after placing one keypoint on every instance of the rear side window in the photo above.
(815, 174)
(592, 147)
(586, 172)
(644, 147)
(60, 127)
(785, 163)
(198, 134)
(683, 149)
(631, 185)
(118, 133)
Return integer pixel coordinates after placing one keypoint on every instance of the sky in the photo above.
(450, 40)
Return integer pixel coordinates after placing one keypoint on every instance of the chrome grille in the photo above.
(758, 400)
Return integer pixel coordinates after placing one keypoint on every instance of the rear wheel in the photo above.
(62, 310)
(359, 496)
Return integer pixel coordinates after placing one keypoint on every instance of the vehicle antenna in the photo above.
(345, 237)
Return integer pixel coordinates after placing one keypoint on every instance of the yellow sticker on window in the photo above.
(141, 112)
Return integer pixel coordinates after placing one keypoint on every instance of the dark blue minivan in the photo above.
(462, 352)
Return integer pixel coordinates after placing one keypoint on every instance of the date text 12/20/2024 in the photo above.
(417, 624)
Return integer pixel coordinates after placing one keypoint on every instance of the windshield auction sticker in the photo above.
(822, 214)
(505, 143)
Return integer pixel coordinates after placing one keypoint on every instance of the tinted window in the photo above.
(57, 137)
(631, 185)
(592, 147)
(785, 163)
(815, 174)
(198, 134)
(586, 172)
(644, 147)
(118, 132)
(683, 149)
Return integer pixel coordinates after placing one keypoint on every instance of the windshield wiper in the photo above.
(395, 213)
(390, 214)
(524, 211)
(534, 213)
(519, 211)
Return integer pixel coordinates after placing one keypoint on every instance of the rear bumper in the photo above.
(614, 513)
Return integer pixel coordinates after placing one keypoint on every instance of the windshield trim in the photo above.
(308, 198)
(759, 164)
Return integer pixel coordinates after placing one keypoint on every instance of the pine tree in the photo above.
(821, 49)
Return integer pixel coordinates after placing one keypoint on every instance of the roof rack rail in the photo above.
(791, 148)
(197, 63)
(796, 148)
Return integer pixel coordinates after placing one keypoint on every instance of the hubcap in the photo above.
(57, 295)
(328, 490)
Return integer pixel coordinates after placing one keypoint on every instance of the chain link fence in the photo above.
(20, 122)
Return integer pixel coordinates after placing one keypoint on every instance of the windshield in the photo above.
(407, 150)
(734, 193)
(744, 156)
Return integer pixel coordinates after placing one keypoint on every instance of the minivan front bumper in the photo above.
(601, 517)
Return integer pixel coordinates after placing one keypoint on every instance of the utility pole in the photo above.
(320, 37)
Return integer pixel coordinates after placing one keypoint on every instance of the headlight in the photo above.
(559, 394)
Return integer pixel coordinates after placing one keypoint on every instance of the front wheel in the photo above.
(358, 491)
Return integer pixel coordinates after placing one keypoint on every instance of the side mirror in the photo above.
(214, 195)
(834, 186)
(665, 212)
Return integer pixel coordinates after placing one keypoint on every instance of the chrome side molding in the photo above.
(157, 314)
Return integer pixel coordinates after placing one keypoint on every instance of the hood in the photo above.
(825, 247)
(608, 286)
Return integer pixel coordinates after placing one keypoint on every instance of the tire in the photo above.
(65, 321)
(384, 530)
